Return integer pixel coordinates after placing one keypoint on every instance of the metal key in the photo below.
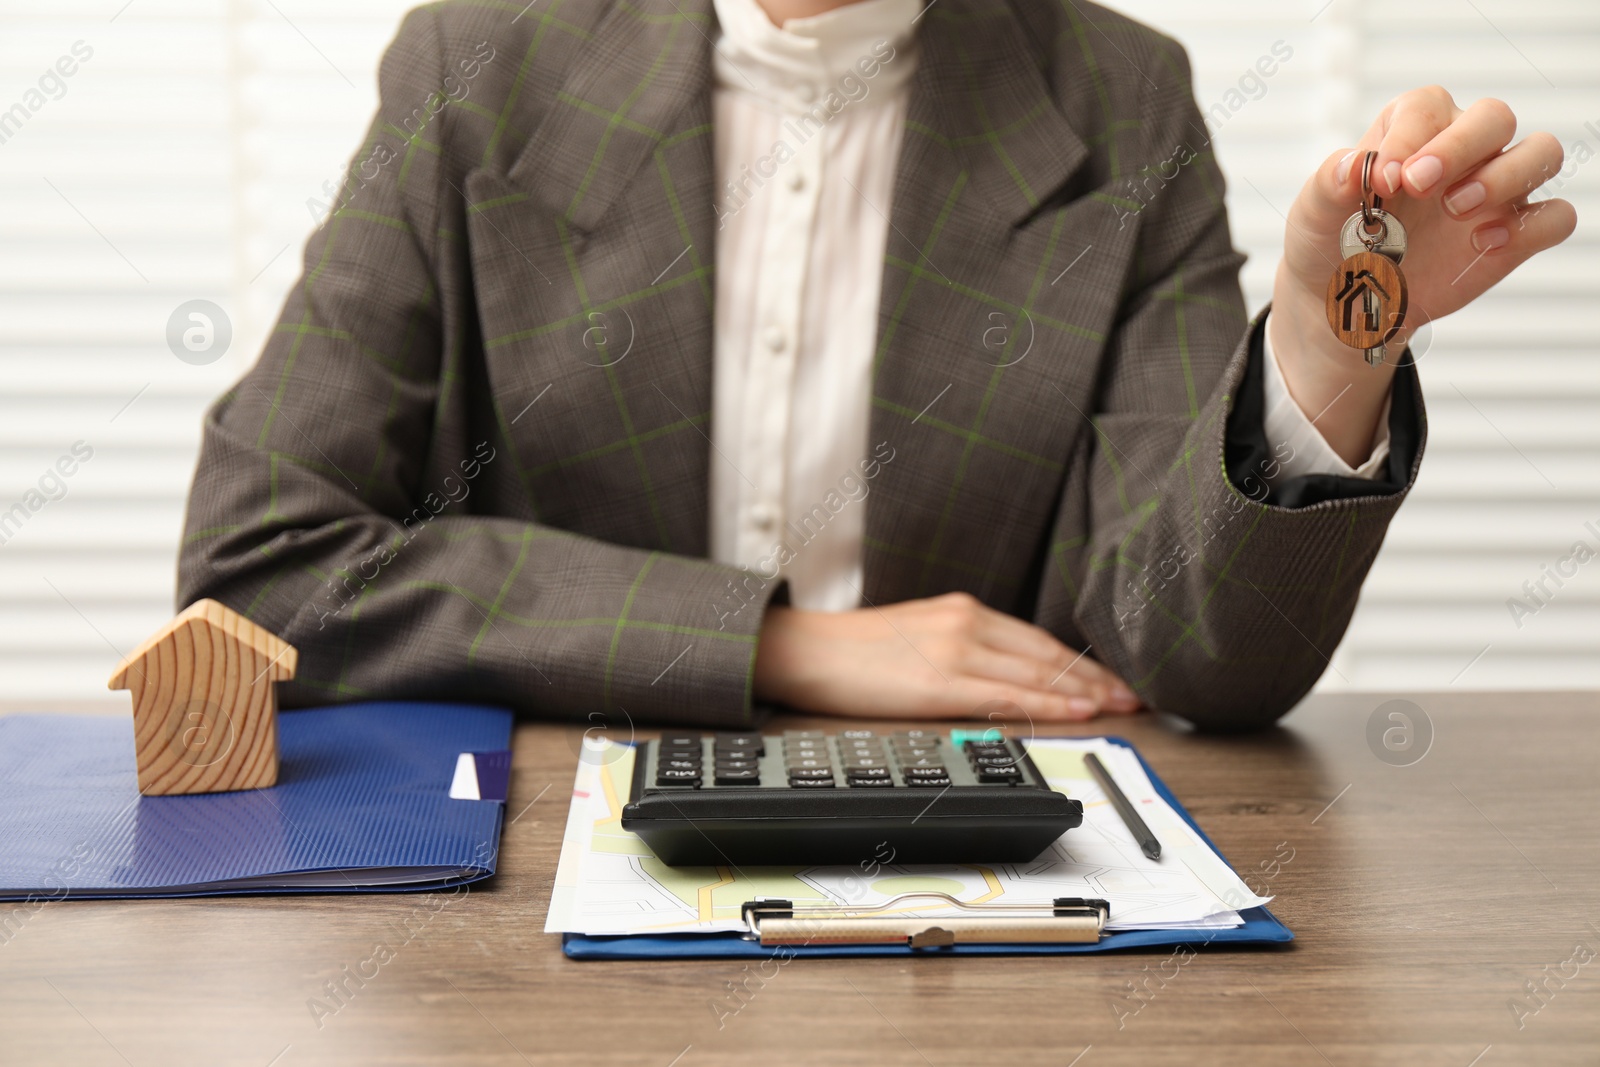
(1370, 231)
(1389, 240)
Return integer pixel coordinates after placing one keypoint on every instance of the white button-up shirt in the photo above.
(808, 123)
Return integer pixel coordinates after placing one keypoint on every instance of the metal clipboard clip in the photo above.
(1063, 920)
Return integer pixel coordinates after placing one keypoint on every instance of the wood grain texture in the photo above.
(1367, 272)
(205, 715)
(1424, 898)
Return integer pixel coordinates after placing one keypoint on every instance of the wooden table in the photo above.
(1425, 899)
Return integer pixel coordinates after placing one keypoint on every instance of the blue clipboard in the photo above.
(1260, 927)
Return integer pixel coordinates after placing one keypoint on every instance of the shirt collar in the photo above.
(799, 63)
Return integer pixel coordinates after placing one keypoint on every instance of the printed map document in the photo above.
(609, 882)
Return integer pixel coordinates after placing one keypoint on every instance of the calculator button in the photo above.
(869, 783)
(996, 761)
(926, 772)
(864, 761)
(917, 735)
(726, 776)
(676, 776)
(810, 783)
(868, 772)
(924, 761)
(678, 753)
(810, 772)
(681, 741)
(851, 735)
(999, 774)
(986, 748)
(737, 764)
(793, 763)
(928, 781)
(740, 743)
(680, 765)
(803, 735)
(916, 753)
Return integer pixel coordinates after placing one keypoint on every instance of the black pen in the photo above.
(1130, 818)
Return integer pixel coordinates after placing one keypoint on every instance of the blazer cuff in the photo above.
(1255, 464)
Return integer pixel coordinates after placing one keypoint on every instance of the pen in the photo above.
(1130, 818)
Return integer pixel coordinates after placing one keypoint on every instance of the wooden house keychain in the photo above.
(1367, 293)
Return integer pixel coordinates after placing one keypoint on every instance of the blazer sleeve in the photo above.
(310, 465)
(1215, 597)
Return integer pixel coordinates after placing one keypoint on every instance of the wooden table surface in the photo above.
(1426, 898)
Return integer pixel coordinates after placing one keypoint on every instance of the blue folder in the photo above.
(361, 805)
(1260, 927)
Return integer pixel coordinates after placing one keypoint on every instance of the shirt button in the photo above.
(775, 338)
(764, 516)
(795, 180)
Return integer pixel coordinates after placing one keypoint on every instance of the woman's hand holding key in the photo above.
(1465, 194)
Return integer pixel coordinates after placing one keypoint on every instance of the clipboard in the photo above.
(1053, 927)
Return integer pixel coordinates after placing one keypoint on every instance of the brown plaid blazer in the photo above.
(472, 462)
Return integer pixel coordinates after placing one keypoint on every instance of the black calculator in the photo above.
(808, 797)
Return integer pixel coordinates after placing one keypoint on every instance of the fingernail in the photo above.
(1391, 174)
(1424, 172)
(1466, 198)
(1344, 165)
(1494, 237)
(1082, 705)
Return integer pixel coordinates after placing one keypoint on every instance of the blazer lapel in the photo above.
(592, 257)
(649, 63)
(966, 378)
(979, 95)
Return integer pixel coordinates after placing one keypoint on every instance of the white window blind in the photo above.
(176, 162)
(176, 165)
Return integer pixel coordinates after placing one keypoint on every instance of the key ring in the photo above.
(1371, 224)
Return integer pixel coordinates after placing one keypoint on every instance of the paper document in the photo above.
(609, 882)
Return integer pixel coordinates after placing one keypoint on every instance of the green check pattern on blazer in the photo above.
(472, 462)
